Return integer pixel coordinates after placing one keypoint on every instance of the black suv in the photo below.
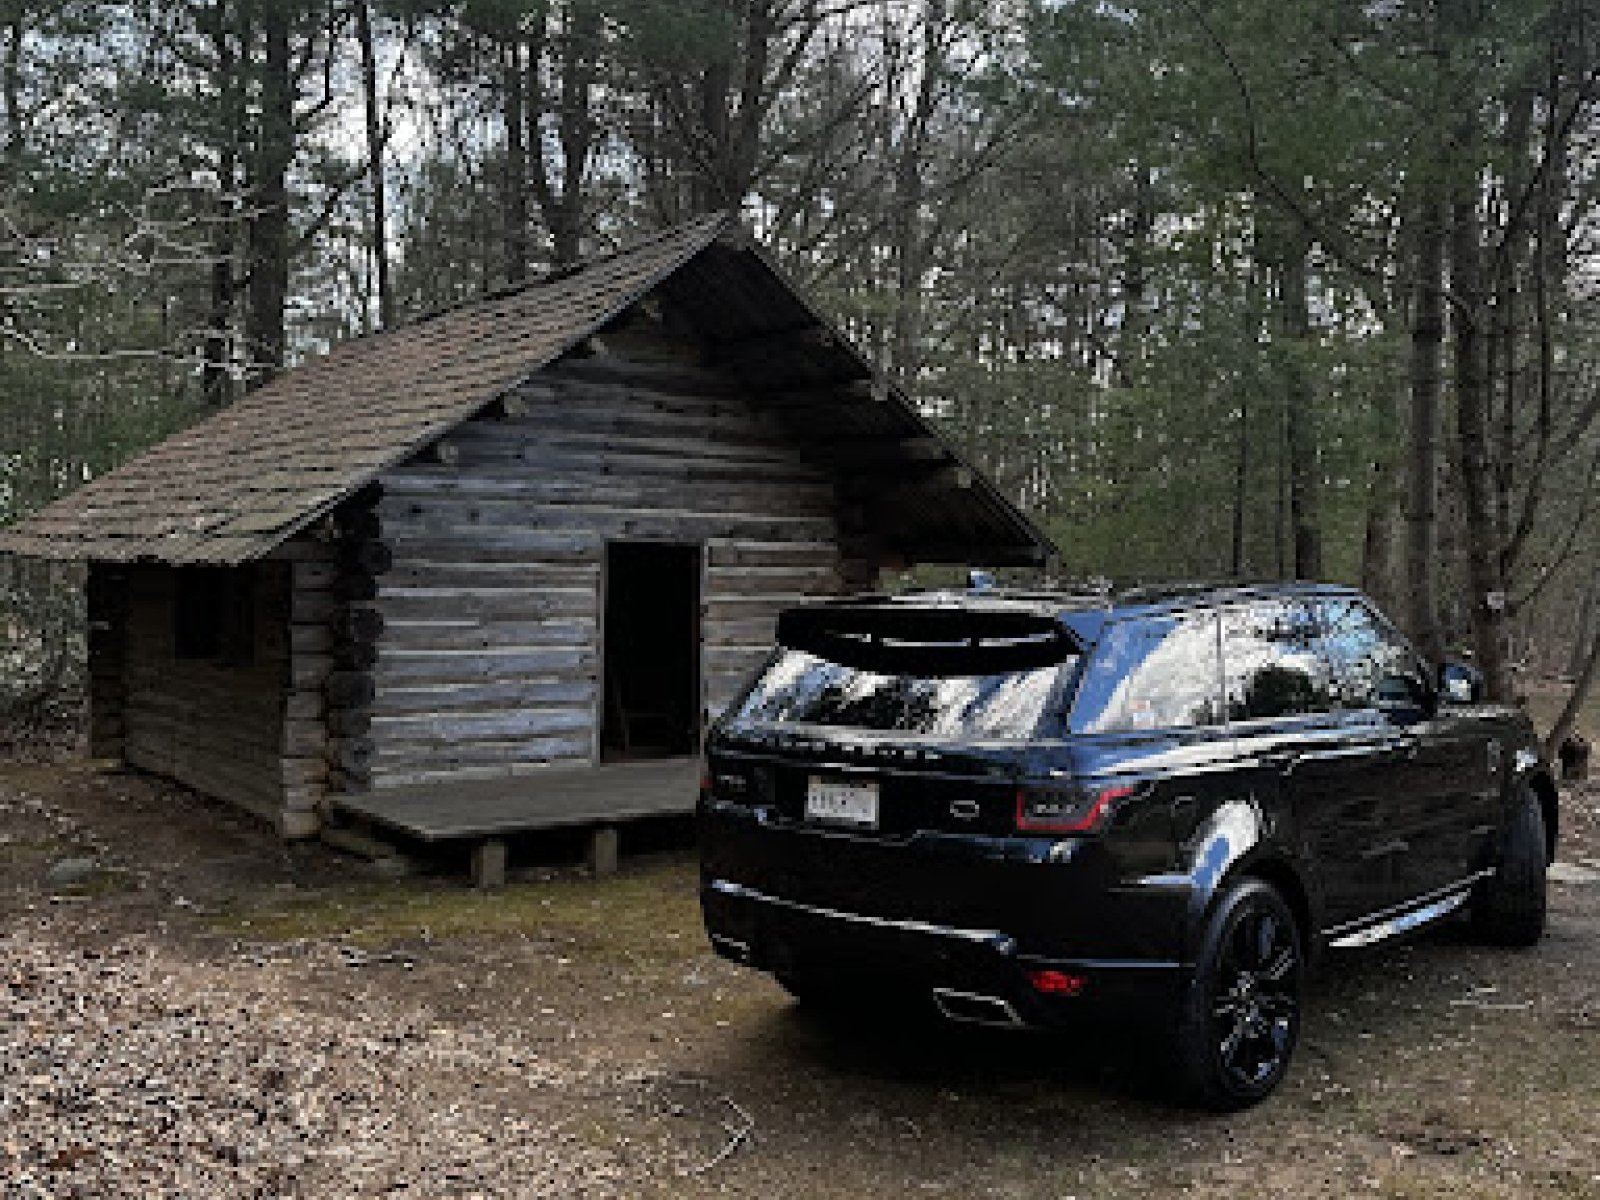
(1029, 808)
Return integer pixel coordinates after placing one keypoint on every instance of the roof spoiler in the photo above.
(902, 639)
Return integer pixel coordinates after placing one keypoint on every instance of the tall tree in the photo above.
(566, 58)
(376, 140)
(267, 181)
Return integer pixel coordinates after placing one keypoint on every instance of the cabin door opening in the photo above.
(651, 651)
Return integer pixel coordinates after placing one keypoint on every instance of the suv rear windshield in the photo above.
(802, 689)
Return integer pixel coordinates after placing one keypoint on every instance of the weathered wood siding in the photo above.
(106, 597)
(489, 662)
(215, 727)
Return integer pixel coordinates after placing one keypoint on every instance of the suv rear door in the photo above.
(1335, 765)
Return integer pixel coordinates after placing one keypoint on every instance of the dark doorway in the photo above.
(652, 650)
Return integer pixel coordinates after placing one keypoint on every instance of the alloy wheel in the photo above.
(1255, 1005)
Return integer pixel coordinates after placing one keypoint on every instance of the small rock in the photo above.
(391, 866)
(71, 872)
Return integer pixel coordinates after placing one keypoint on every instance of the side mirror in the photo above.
(1460, 683)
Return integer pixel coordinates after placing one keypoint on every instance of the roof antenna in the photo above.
(980, 581)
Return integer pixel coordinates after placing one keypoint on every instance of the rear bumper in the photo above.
(978, 974)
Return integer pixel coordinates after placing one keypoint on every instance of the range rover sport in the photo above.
(1027, 809)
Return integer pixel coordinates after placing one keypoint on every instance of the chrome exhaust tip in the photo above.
(975, 1008)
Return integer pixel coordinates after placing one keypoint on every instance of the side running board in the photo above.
(1407, 920)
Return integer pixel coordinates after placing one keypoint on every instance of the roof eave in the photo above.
(1043, 547)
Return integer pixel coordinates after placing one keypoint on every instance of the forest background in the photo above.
(1213, 288)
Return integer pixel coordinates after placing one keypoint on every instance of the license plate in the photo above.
(838, 803)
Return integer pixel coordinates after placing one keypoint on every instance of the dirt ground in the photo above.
(209, 1013)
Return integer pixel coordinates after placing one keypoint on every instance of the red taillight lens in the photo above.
(1064, 810)
(1057, 983)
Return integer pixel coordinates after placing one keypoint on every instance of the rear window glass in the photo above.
(802, 689)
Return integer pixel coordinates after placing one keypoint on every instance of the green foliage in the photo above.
(1073, 229)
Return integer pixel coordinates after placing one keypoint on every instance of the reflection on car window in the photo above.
(1274, 665)
(800, 688)
(1151, 673)
(1360, 651)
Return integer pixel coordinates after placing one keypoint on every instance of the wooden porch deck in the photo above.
(496, 808)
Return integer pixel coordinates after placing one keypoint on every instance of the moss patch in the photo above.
(649, 912)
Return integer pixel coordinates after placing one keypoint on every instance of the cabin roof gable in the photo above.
(235, 486)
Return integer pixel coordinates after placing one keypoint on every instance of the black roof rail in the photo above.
(1096, 593)
(1155, 593)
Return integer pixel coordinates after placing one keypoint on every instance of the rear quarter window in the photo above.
(1276, 665)
(1157, 672)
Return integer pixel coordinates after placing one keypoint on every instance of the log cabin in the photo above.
(494, 570)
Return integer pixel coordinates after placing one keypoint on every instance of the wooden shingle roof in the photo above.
(235, 486)
(232, 487)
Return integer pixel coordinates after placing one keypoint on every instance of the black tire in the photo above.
(1508, 908)
(1240, 1017)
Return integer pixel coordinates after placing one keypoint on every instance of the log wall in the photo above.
(310, 564)
(354, 629)
(490, 657)
(213, 726)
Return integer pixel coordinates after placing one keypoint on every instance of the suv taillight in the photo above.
(1065, 810)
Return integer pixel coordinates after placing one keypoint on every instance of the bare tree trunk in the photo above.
(905, 335)
(1427, 343)
(269, 225)
(576, 50)
(1485, 593)
(11, 90)
(743, 147)
(1241, 481)
(707, 191)
(1548, 264)
(1383, 502)
(1582, 684)
(216, 376)
(1586, 627)
(375, 141)
(1299, 430)
(516, 165)
(1280, 494)
(1133, 350)
(576, 123)
(1502, 368)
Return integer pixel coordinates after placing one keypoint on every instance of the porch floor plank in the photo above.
(480, 808)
